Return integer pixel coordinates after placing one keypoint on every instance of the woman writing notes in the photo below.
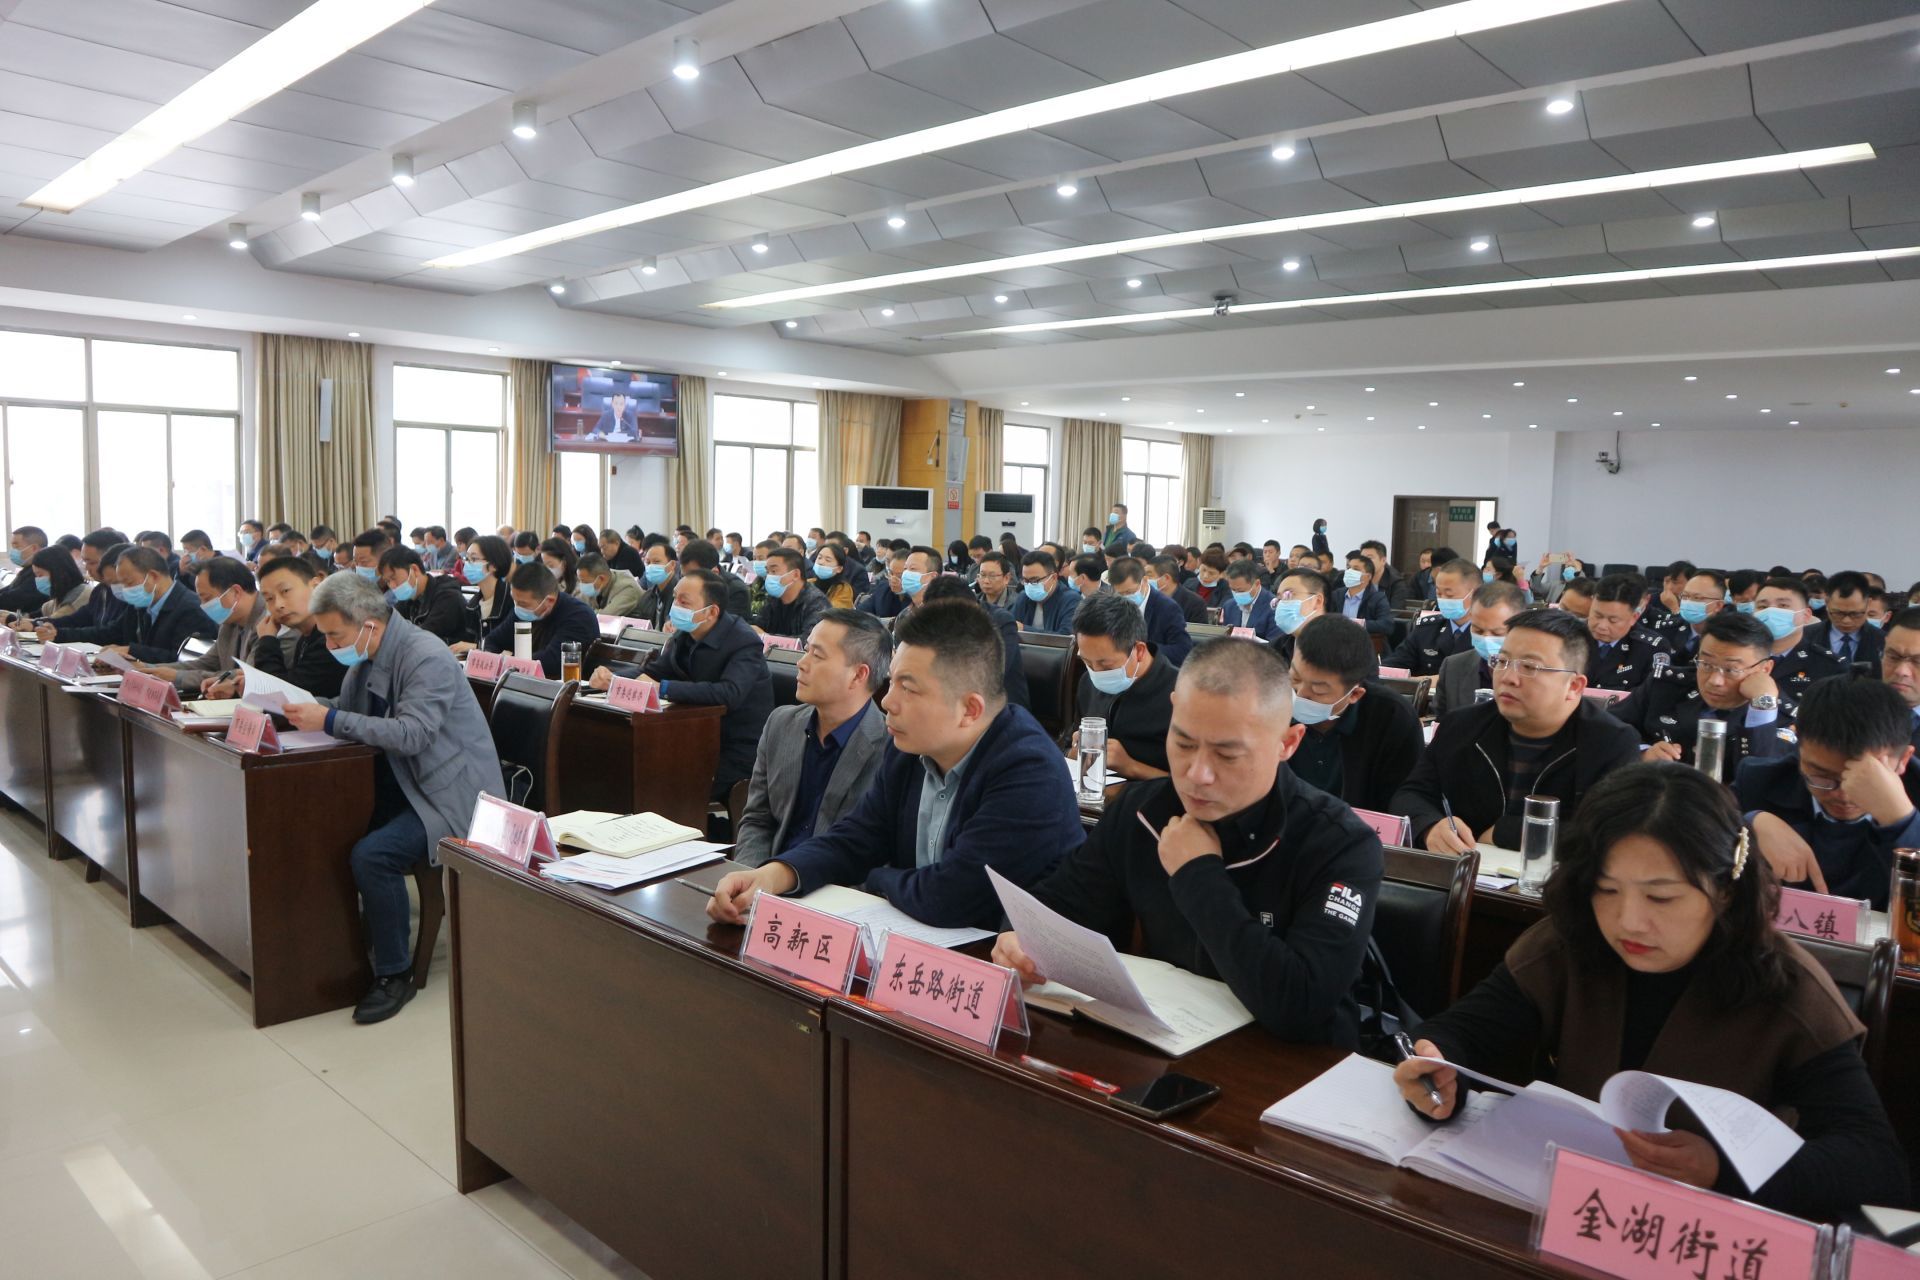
(1659, 953)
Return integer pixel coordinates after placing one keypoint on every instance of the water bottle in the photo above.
(1903, 907)
(1093, 760)
(1710, 749)
(1539, 825)
(522, 639)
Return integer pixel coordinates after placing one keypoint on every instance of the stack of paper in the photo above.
(212, 708)
(619, 835)
(271, 692)
(604, 872)
(881, 917)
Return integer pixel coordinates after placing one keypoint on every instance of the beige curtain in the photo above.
(687, 489)
(992, 447)
(859, 444)
(536, 480)
(1197, 460)
(1089, 476)
(303, 481)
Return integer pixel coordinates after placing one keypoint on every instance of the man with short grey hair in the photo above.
(817, 757)
(1232, 868)
(405, 695)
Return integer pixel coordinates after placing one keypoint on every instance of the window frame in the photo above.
(1177, 478)
(789, 449)
(1044, 468)
(447, 429)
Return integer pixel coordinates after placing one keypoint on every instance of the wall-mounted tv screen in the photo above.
(615, 411)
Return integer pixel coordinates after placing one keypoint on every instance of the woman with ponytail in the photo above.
(1659, 953)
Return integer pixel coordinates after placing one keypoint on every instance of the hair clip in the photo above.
(1740, 852)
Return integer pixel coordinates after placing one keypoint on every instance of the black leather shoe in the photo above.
(384, 999)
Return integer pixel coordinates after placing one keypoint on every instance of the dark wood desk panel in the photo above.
(23, 736)
(611, 1053)
(249, 853)
(87, 783)
(1018, 1166)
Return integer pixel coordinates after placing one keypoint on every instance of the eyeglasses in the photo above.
(1715, 669)
(1846, 615)
(1527, 667)
(1896, 658)
(1819, 784)
(1704, 599)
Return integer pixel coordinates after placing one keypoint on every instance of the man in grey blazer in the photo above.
(816, 758)
(405, 695)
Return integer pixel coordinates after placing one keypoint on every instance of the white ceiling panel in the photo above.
(1600, 41)
(1136, 133)
(1256, 108)
(892, 33)
(991, 74)
(1446, 71)
(1116, 39)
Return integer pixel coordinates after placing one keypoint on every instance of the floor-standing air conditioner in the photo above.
(1007, 513)
(1213, 525)
(885, 511)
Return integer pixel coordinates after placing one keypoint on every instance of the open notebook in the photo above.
(619, 835)
(1497, 1144)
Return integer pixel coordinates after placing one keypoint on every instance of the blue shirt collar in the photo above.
(838, 738)
(153, 610)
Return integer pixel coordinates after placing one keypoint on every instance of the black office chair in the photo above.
(1608, 569)
(194, 647)
(1865, 978)
(1415, 693)
(528, 716)
(1420, 923)
(1045, 660)
(783, 668)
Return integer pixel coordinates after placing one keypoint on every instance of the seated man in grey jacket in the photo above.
(406, 696)
(231, 597)
(816, 759)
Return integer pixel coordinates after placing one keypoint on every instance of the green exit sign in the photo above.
(1458, 514)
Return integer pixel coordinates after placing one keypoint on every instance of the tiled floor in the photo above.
(148, 1131)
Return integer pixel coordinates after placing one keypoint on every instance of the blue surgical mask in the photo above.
(1693, 612)
(681, 618)
(216, 610)
(349, 656)
(1569, 573)
(1451, 610)
(369, 574)
(525, 615)
(403, 593)
(1036, 591)
(1244, 599)
(588, 591)
(1508, 544)
(808, 543)
(1286, 615)
(139, 597)
(523, 559)
(1353, 577)
(1876, 623)
(43, 585)
(579, 547)
(13, 554)
(1817, 602)
(1140, 598)
(1488, 647)
(912, 580)
(1088, 548)
(1486, 575)
(1113, 517)
(473, 571)
(421, 546)
(656, 574)
(1744, 607)
(1111, 683)
(759, 568)
(824, 571)
(1780, 623)
(1307, 711)
(119, 592)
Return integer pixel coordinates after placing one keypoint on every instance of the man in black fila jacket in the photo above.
(1247, 875)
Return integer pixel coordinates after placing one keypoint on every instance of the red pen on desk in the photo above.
(1080, 1078)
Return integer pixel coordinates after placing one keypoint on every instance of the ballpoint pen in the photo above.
(1080, 1078)
(1402, 1043)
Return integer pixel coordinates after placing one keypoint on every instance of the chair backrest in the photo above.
(736, 806)
(527, 718)
(1864, 976)
(643, 638)
(1420, 924)
(1047, 661)
(1606, 569)
(1415, 693)
(783, 667)
(194, 647)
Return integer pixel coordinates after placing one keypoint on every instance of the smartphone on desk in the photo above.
(1165, 1096)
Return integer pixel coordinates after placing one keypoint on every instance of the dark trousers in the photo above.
(381, 860)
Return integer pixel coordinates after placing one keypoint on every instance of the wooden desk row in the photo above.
(248, 853)
(708, 1120)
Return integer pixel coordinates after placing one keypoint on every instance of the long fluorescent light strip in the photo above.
(1447, 291)
(299, 46)
(1715, 171)
(1235, 68)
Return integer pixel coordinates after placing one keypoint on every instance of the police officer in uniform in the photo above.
(1438, 636)
(1782, 608)
(1732, 682)
(1845, 633)
(1663, 607)
(1624, 652)
(1703, 596)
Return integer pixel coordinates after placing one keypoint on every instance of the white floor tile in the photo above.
(450, 1239)
(558, 1238)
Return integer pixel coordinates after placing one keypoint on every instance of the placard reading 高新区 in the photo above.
(1638, 1226)
(1821, 915)
(629, 693)
(482, 665)
(251, 730)
(811, 945)
(1390, 827)
(509, 831)
(973, 999)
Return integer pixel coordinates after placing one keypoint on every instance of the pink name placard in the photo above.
(252, 730)
(9, 642)
(610, 626)
(1396, 673)
(73, 664)
(50, 656)
(1390, 827)
(779, 642)
(148, 693)
(525, 666)
(640, 624)
(509, 831)
(1606, 695)
(803, 943)
(482, 665)
(631, 694)
(973, 999)
(1638, 1226)
(1821, 915)
(1877, 1260)
(1241, 633)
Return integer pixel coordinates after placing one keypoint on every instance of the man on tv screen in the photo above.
(617, 419)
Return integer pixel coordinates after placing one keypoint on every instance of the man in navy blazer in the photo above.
(161, 615)
(968, 782)
(1243, 581)
(1166, 625)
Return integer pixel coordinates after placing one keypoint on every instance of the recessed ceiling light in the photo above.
(686, 58)
(1124, 399)
(886, 311)
(1066, 189)
(556, 288)
(1433, 404)
(1282, 152)
(1893, 370)
(649, 265)
(1653, 424)
(295, 49)
(1239, 395)
(236, 235)
(1291, 264)
(1792, 422)
(1619, 413)
(1421, 427)
(1732, 396)
(1199, 410)
(1319, 428)
(1485, 416)
(1366, 388)
(353, 333)
(189, 316)
(1229, 430)
(493, 348)
(819, 384)
(1703, 220)
(1265, 419)
(1766, 411)
(793, 324)
(1479, 246)
(1573, 399)
(1691, 378)
(1103, 413)
(1023, 404)
(1533, 426)
(1559, 106)
(896, 220)
(613, 364)
(723, 373)
(1133, 284)
(526, 125)
(310, 205)
(1369, 417)
(1519, 384)
(403, 170)
(1913, 391)
(999, 297)
(1311, 408)
(759, 243)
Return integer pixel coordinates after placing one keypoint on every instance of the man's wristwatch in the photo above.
(1765, 702)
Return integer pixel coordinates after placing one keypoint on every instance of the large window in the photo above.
(1023, 467)
(137, 435)
(766, 465)
(583, 489)
(1156, 494)
(448, 437)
